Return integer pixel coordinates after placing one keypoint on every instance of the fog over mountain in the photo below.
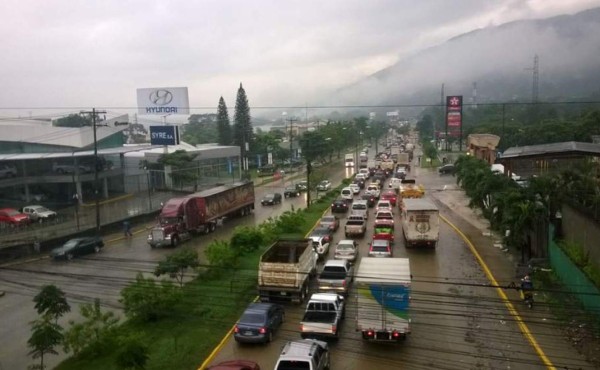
(499, 59)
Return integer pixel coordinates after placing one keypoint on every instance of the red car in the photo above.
(13, 217)
(235, 365)
(389, 195)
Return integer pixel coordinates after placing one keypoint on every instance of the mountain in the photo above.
(500, 60)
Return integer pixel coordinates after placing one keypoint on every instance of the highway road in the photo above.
(102, 276)
(457, 321)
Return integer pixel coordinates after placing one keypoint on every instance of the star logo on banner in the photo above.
(454, 101)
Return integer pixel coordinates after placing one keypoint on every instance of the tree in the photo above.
(147, 300)
(45, 336)
(74, 120)
(182, 164)
(201, 129)
(133, 354)
(95, 333)
(51, 301)
(223, 124)
(242, 126)
(177, 263)
(314, 146)
(220, 254)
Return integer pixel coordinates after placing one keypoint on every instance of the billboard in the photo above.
(454, 111)
(164, 135)
(163, 101)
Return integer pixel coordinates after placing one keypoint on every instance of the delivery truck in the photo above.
(182, 217)
(383, 299)
(285, 269)
(420, 222)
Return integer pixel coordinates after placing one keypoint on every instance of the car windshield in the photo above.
(293, 365)
(269, 196)
(41, 209)
(252, 318)
(169, 220)
(345, 247)
(71, 243)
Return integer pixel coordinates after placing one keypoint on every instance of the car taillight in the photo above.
(395, 334)
(262, 330)
(344, 283)
(370, 333)
(236, 329)
(333, 329)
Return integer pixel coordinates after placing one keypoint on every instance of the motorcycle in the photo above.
(527, 297)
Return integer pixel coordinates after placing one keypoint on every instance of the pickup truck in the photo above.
(356, 225)
(336, 276)
(323, 316)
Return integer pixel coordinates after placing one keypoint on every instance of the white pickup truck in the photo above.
(323, 316)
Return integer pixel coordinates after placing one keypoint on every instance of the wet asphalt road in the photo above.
(102, 276)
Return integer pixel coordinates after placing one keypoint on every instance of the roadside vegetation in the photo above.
(175, 322)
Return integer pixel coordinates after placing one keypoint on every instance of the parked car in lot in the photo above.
(258, 323)
(291, 191)
(39, 213)
(324, 185)
(7, 171)
(346, 249)
(78, 247)
(13, 217)
(339, 206)
(271, 199)
(235, 365)
(332, 222)
(447, 169)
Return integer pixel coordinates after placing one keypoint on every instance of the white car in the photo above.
(324, 185)
(373, 190)
(39, 213)
(384, 205)
(346, 249)
(355, 188)
(347, 194)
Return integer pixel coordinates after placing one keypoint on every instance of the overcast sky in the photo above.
(68, 53)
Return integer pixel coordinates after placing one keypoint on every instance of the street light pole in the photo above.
(94, 112)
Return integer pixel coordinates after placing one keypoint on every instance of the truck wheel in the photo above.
(270, 337)
(69, 256)
(242, 211)
(212, 226)
(96, 249)
(175, 242)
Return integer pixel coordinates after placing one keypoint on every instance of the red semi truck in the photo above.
(182, 217)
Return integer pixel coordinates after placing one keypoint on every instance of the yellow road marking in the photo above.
(511, 308)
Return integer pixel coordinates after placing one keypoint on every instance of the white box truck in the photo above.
(349, 160)
(420, 222)
(383, 302)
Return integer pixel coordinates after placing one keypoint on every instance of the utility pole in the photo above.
(442, 103)
(291, 121)
(94, 113)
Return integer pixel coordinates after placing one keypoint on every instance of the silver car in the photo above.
(346, 249)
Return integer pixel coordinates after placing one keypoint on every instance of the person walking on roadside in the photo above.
(127, 229)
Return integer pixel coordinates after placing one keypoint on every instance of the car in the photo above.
(308, 354)
(347, 194)
(380, 248)
(370, 199)
(302, 186)
(389, 195)
(324, 232)
(447, 169)
(291, 191)
(235, 365)
(384, 214)
(13, 217)
(360, 208)
(324, 185)
(373, 189)
(271, 199)
(346, 249)
(78, 247)
(331, 221)
(258, 323)
(39, 213)
(321, 245)
(355, 188)
(359, 182)
(267, 170)
(339, 206)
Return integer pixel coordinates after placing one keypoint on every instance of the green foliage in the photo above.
(51, 301)
(73, 120)
(221, 255)
(183, 166)
(176, 264)
(242, 126)
(95, 334)
(201, 129)
(45, 337)
(223, 124)
(429, 149)
(133, 353)
(425, 127)
(246, 239)
(148, 300)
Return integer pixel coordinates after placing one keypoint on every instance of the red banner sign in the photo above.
(454, 111)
